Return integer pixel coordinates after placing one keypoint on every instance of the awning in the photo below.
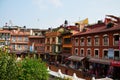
(76, 58)
(101, 61)
(115, 63)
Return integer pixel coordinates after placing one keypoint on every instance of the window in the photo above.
(82, 41)
(105, 40)
(59, 48)
(3, 36)
(89, 41)
(48, 40)
(19, 47)
(116, 55)
(67, 40)
(76, 51)
(116, 40)
(53, 39)
(36, 34)
(26, 47)
(76, 42)
(82, 52)
(96, 41)
(13, 39)
(59, 39)
(20, 39)
(96, 53)
(53, 48)
(26, 39)
(13, 47)
(105, 54)
(89, 53)
(48, 48)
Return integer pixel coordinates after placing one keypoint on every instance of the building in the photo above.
(53, 44)
(100, 44)
(37, 41)
(67, 43)
(19, 42)
(4, 38)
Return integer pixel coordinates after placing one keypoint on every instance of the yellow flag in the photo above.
(85, 21)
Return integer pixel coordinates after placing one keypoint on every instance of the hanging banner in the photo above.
(110, 53)
(31, 49)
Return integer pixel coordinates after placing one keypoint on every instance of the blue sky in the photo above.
(43, 14)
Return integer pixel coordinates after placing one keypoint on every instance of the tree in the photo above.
(27, 69)
(33, 69)
(8, 67)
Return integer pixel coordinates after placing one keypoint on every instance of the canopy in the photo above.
(101, 61)
(76, 58)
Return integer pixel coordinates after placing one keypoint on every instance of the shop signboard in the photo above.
(110, 53)
(115, 63)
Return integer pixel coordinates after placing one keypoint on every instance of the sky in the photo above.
(44, 14)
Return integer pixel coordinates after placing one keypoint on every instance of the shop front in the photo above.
(116, 69)
(76, 62)
(99, 67)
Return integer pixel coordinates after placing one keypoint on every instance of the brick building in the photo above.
(100, 44)
(37, 41)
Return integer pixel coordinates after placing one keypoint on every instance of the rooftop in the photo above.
(99, 30)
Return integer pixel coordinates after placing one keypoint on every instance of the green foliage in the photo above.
(33, 69)
(27, 69)
(8, 67)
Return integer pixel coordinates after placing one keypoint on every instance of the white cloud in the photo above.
(44, 4)
(56, 3)
(40, 3)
